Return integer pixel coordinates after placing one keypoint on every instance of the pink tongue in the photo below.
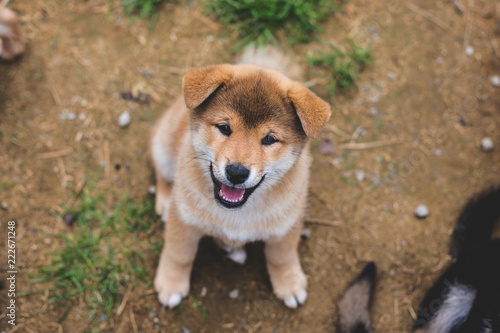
(232, 193)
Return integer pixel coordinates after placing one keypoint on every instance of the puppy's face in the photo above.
(247, 134)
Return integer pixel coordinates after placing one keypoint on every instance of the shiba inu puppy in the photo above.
(232, 161)
(466, 297)
(11, 40)
(354, 307)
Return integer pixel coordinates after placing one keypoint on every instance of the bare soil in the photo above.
(433, 102)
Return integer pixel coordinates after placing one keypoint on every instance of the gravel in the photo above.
(124, 119)
(487, 144)
(495, 80)
(233, 294)
(69, 219)
(421, 211)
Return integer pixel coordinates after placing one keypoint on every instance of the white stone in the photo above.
(234, 294)
(124, 119)
(487, 144)
(421, 211)
(495, 80)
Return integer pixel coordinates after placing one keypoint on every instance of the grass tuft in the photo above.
(140, 8)
(103, 256)
(343, 67)
(260, 20)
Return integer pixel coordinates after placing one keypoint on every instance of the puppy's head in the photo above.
(249, 126)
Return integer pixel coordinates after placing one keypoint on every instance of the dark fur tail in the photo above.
(476, 221)
(354, 315)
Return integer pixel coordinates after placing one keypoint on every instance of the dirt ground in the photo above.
(428, 100)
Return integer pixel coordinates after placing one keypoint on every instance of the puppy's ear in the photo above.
(313, 112)
(200, 83)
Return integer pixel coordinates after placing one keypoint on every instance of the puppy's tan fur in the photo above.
(254, 102)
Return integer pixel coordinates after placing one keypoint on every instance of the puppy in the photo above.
(466, 297)
(232, 161)
(11, 40)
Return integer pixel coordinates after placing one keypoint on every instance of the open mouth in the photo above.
(228, 196)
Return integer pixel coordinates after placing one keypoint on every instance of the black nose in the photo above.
(237, 174)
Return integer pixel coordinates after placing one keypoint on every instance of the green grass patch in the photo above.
(343, 67)
(5, 186)
(140, 8)
(260, 20)
(104, 254)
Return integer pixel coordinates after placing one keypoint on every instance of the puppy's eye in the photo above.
(269, 140)
(224, 129)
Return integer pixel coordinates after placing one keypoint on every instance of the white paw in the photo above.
(170, 300)
(299, 297)
(238, 255)
(170, 290)
(289, 286)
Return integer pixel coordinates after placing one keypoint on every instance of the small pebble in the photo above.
(157, 327)
(487, 144)
(338, 160)
(71, 116)
(439, 60)
(184, 329)
(4, 205)
(83, 102)
(391, 76)
(63, 115)
(203, 292)
(360, 175)
(392, 272)
(421, 211)
(495, 80)
(81, 116)
(234, 294)
(469, 50)
(373, 111)
(152, 189)
(305, 234)
(103, 318)
(438, 152)
(69, 219)
(156, 320)
(124, 119)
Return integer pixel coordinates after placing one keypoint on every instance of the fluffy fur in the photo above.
(466, 297)
(11, 39)
(250, 123)
(354, 307)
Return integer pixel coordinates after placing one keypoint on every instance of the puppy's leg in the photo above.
(163, 189)
(288, 280)
(176, 260)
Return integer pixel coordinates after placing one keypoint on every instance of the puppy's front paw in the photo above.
(170, 291)
(289, 285)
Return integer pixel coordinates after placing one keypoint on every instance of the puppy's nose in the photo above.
(237, 174)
